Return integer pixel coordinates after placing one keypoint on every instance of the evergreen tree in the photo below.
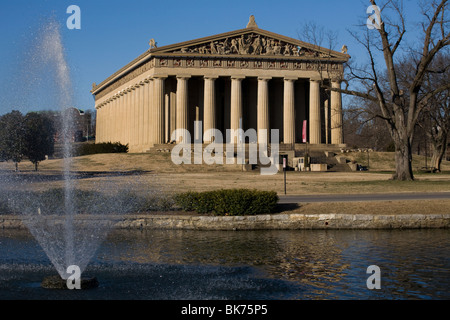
(39, 137)
(12, 136)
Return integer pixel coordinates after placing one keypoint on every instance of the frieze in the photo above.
(129, 76)
(250, 64)
(230, 63)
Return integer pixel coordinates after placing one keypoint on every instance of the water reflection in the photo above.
(307, 264)
(414, 263)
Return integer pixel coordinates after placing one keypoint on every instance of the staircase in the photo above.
(319, 154)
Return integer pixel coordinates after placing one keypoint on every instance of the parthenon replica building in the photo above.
(248, 78)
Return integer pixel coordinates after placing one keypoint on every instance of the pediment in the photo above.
(249, 42)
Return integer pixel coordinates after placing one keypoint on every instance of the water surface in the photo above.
(241, 265)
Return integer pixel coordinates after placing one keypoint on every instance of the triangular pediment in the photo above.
(249, 42)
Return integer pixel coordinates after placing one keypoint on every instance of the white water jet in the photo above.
(54, 219)
(69, 222)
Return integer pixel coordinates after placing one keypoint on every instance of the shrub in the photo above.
(105, 147)
(229, 202)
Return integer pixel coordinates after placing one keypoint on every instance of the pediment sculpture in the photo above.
(251, 44)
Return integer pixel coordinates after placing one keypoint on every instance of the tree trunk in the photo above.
(403, 161)
(36, 166)
(439, 148)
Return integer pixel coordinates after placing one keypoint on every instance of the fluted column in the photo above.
(99, 129)
(209, 113)
(128, 115)
(110, 118)
(263, 110)
(114, 119)
(158, 106)
(314, 112)
(182, 114)
(98, 117)
(289, 112)
(236, 104)
(121, 118)
(326, 105)
(133, 138)
(141, 115)
(106, 117)
(145, 112)
(151, 112)
(104, 121)
(336, 114)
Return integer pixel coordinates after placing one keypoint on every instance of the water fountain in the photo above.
(68, 223)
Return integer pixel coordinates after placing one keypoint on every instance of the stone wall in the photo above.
(270, 222)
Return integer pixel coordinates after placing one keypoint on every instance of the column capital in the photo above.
(210, 77)
(183, 76)
(336, 82)
(290, 78)
(160, 76)
(315, 79)
(238, 77)
(264, 78)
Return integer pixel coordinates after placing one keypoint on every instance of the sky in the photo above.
(113, 33)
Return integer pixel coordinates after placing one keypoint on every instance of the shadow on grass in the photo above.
(33, 176)
(284, 207)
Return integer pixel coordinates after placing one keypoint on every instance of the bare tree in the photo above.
(400, 103)
(435, 119)
(362, 129)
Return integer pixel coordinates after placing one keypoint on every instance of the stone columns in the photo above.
(326, 104)
(209, 113)
(314, 112)
(141, 114)
(145, 114)
(114, 119)
(101, 121)
(182, 114)
(151, 112)
(263, 110)
(105, 121)
(128, 122)
(98, 125)
(134, 115)
(158, 107)
(288, 112)
(236, 104)
(336, 114)
(121, 119)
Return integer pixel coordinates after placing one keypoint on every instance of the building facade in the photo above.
(248, 78)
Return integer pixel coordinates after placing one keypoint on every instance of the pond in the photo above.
(241, 265)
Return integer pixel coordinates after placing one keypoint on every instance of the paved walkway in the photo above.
(285, 199)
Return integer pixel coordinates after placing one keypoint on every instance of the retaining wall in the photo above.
(268, 222)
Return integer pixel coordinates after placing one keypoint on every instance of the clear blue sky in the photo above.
(113, 33)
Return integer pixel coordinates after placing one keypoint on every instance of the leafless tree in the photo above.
(400, 103)
(362, 129)
(435, 119)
